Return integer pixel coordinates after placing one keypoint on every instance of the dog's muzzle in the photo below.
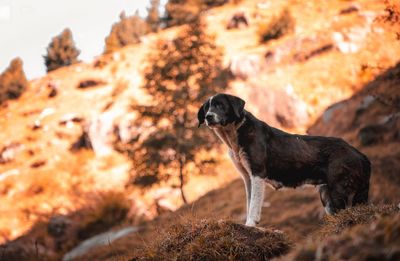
(212, 119)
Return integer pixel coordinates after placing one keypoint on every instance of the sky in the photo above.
(26, 27)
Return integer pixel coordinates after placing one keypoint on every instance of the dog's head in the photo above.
(221, 110)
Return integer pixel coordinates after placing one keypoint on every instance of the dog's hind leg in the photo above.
(256, 200)
(326, 199)
(361, 197)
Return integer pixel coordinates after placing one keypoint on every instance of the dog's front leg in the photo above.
(256, 200)
(245, 176)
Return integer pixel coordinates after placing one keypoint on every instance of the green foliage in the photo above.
(61, 51)
(277, 27)
(12, 81)
(125, 32)
(181, 75)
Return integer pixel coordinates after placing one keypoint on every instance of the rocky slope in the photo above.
(335, 74)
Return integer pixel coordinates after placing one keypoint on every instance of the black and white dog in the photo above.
(263, 153)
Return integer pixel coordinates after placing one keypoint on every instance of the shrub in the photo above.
(108, 209)
(180, 76)
(153, 16)
(180, 12)
(12, 81)
(61, 51)
(125, 32)
(277, 27)
(216, 240)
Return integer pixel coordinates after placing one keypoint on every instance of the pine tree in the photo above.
(61, 51)
(153, 16)
(125, 32)
(12, 81)
(181, 75)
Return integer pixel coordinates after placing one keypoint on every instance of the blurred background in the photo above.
(98, 117)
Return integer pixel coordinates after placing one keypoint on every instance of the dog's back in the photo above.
(293, 160)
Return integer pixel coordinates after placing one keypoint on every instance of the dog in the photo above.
(262, 153)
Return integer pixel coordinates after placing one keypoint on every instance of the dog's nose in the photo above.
(209, 117)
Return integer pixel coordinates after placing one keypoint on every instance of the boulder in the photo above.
(279, 108)
(245, 66)
(9, 152)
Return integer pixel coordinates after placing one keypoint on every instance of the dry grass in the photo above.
(107, 210)
(216, 240)
(347, 218)
(379, 240)
(49, 240)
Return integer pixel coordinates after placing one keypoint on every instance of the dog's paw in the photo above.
(250, 223)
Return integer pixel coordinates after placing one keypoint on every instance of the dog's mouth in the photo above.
(213, 124)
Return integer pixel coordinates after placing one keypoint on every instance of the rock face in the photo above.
(102, 130)
(353, 38)
(9, 152)
(373, 114)
(245, 66)
(299, 49)
(387, 130)
(278, 108)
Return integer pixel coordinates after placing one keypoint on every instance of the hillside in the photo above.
(336, 74)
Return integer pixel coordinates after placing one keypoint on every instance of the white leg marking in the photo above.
(256, 201)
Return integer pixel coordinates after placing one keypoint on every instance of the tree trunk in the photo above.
(181, 179)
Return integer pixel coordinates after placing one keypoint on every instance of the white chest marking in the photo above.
(240, 159)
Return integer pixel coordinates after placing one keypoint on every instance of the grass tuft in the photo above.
(349, 217)
(216, 240)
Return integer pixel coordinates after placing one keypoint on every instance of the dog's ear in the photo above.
(201, 115)
(237, 105)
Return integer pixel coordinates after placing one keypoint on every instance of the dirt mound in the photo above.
(362, 214)
(379, 240)
(217, 240)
